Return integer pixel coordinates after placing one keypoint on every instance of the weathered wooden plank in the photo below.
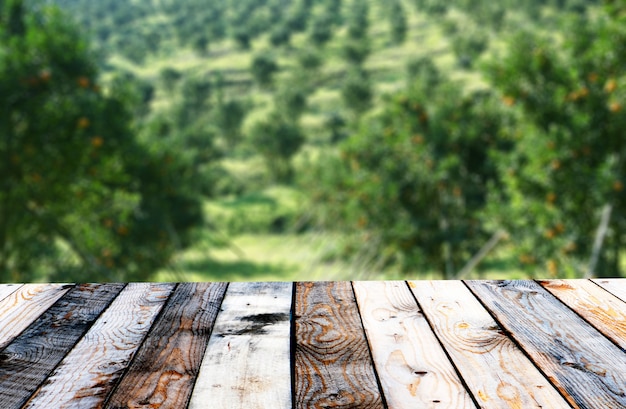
(247, 361)
(27, 361)
(90, 371)
(19, 309)
(333, 368)
(8, 289)
(414, 370)
(495, 370)
(600, 308)
(616, 286)
(586, 367)
(166, 365)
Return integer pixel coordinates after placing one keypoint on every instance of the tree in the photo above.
(321, 31)
(358, 20)
(229, 116)
(397, 21)
(291, 99)
(356, 92)
(277, 139)
(263, 68)
(469, 45)
(81, 197)
(415, 178)
(169, 77)
(569, 165)
(356, 51)
(280, 35)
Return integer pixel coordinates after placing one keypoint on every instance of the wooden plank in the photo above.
(8, 289)
(333, 368)
(413, 368)
(90, 371)
(586, 367)
(600, 308)
(247, 361)
(616, 286)
(165, 367)
(495, 370)
(25, 305)
(27, 361)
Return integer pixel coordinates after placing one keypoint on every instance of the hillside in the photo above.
(262, 91)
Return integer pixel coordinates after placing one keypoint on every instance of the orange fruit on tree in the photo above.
(552, 267)
(508, 100)
(610, 85)
(44, 76)
(97, 141)
(618, 186)
(83, 82)
(83, 123)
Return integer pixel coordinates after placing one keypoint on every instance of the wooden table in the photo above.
(395, 344)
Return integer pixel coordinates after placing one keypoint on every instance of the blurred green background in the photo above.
(202, 140)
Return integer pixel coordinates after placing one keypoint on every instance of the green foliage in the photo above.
(291, 100)
(277, 139)
(169, 77)
(398, 23)
(355, 52)
(570, 160)
(358, 20)
(468, 46)
(228, 117)
(415, 178)
(280, 35)
(321, 30)
(81, 198)
(356, 92)
(263, 68)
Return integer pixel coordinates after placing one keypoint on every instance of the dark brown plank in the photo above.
(333, 368)
(27, 361)
(163, 372)
(586, 367)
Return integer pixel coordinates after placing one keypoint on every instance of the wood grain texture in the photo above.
(247, 362)
(19, 309)
(333, 368)
(603, 310)
(8, 289)
(164, 369)
(616, 286)
(90, 371)
(413, 368)
(496, 372)
(579, 360)
(27, 361)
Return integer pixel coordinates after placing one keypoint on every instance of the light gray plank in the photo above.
(599, 307)
(616, 286)
(7, 289)
(412, 366)
(247, 361)
(495, 370)
(586, 367)
(24, 305)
